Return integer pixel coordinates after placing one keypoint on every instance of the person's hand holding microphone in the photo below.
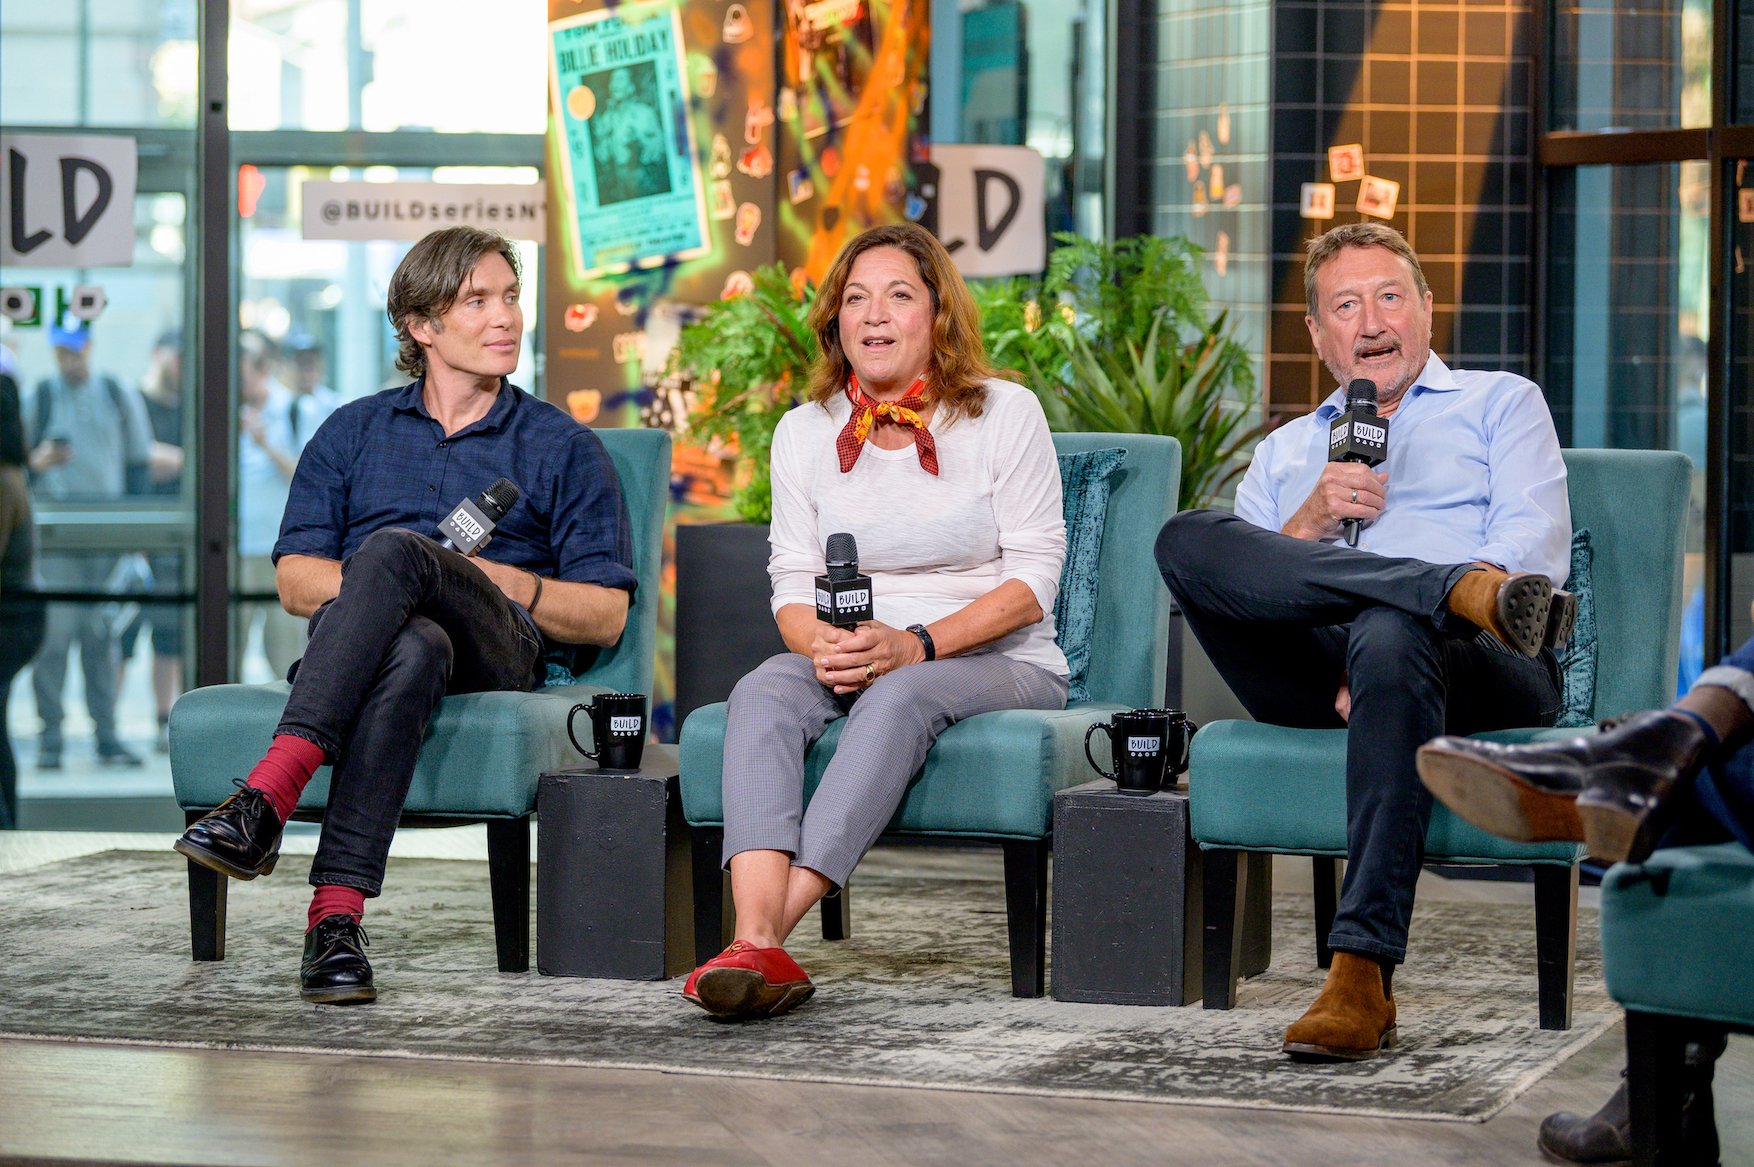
(1350, 491)
(851, 649)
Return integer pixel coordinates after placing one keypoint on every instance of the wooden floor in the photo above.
(120, 1104)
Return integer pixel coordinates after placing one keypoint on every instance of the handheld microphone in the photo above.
(1358, 434)
(843, 596)
(468, 528)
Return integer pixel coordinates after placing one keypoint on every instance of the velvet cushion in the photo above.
(1084, 483)
(1578, 662)
(480, 758)
(1256, 787)
(989, 776)
(1676, 933)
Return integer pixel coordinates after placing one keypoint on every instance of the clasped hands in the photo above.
(849, 659)
(1345, 490)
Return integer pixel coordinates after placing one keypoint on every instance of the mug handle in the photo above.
(576, 710)
(1181, 767)
(1094, 726)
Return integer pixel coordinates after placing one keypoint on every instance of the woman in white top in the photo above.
(947, 478)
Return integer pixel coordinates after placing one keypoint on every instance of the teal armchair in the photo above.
(482, 753)
(1677, 950)
(1264, 788)
(992, 777)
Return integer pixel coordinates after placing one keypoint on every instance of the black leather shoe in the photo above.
(1604, 1138)
(240, 837)
(335, 970)
(1601, 789)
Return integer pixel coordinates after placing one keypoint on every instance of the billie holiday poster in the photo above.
(622, 101)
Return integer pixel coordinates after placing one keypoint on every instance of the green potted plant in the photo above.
(749, 358)
(1119, 338)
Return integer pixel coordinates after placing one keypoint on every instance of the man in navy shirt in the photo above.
(396, 621)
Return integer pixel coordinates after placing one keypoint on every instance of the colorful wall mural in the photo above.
(691, 142)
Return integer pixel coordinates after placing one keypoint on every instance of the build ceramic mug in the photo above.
(1148, 746)
(618, 730)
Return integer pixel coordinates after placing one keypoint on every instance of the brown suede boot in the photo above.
(1511, 607)
(1351, 1020)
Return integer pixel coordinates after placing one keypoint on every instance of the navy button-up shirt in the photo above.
(383, 461)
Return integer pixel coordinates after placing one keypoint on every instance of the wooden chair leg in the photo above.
(508, 877)
(712, 906)
(1555, 942)
(1656, 1055)
(1026, 914)
(207, 890)
(1222, 886)
(1255, 933)
(837, 913)
(1327, 902)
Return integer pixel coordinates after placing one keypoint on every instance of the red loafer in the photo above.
(745, 981)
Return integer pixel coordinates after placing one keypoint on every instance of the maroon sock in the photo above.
(332, 899)
(285, 770)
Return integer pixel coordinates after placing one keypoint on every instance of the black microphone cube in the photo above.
(468, 527)
(843, 602)
(1358, 435)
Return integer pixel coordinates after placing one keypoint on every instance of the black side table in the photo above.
(614, 882)
(1126, 906)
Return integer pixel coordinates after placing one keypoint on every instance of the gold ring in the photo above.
(870, 672)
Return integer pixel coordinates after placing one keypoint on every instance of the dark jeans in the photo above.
(412, 623)
(1285, 621)
(1719, 806)
(21, 634)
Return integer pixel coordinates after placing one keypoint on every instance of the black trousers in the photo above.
(21, 634)
(1287, 621)
(412, 622)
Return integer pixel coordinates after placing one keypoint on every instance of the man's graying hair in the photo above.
(429, 278)
(1329, 244)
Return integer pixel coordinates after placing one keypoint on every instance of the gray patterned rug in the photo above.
(96, 949)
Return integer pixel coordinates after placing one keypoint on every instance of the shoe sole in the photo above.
(1561, 619)
(1619, 834)
(1499, 800)
(354, 995)
(745, 993)
(1523, 603)
(224, 866)
(1306, 1051)
(1555, 1157)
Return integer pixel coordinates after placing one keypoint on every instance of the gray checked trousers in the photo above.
(778, 710)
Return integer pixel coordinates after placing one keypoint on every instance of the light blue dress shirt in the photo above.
(1474, 474)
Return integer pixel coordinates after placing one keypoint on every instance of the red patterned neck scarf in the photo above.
(905, 412)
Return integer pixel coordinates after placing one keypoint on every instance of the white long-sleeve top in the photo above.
(931, 545)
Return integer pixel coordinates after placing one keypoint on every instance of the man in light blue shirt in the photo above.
(1442, 620)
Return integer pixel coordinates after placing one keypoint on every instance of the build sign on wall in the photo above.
(67, 200)
(411, 210)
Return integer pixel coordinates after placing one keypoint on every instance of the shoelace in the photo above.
(251, 807)
(329, 928)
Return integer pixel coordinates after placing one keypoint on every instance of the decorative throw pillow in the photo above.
(1084, 482)
(1577, 661)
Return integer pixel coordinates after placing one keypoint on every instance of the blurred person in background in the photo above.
(161, 391)
(88, 441)
(267, 456)
(21, 610)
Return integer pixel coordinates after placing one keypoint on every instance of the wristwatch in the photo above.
(919, 630)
